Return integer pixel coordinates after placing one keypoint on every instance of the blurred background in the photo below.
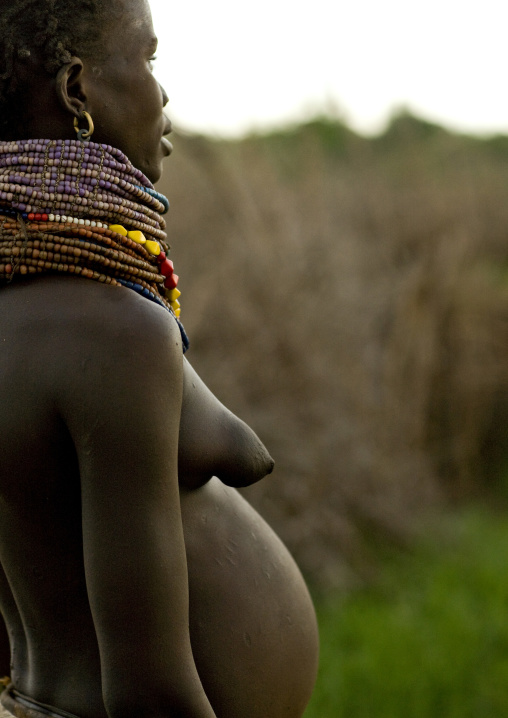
(340, 224)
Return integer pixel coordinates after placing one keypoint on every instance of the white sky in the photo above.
(231, 65)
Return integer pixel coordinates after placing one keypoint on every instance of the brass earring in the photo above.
(84, 134)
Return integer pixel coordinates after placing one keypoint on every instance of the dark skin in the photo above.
(139, 582)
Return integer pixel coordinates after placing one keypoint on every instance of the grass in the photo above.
(430, 639)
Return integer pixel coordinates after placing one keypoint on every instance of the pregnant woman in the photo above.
(135, 581)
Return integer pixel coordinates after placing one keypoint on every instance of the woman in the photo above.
(134, 583)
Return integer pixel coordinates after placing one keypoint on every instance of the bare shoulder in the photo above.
(110, 319)
(91, 347)
(76, 321)
(110, 347)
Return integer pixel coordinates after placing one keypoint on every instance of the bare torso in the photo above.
(252, 624)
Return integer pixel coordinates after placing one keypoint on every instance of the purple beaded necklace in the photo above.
(85, 203)
(83, 179)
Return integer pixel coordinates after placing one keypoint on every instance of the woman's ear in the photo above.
(69, 86)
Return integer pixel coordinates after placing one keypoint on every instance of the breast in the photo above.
(253, 626)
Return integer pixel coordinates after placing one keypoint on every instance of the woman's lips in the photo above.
(168, 147)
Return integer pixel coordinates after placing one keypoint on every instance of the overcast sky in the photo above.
(230, 65)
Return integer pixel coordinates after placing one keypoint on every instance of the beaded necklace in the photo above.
(71, 207)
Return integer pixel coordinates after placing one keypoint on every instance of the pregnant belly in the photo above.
(252, 623)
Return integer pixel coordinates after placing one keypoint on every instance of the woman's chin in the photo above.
(150, 167)
(153, 172)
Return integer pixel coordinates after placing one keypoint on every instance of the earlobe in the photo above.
(69, 86)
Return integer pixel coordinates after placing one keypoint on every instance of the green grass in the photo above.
(430, 640)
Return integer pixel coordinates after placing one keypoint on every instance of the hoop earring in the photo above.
(84, 134)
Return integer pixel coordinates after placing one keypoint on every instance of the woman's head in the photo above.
(59, 57)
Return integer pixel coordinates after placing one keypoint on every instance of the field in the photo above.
(348, 297)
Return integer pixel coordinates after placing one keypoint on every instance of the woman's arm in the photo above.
(123, 410)
(5, 650)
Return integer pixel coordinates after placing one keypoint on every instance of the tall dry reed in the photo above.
(349, 299)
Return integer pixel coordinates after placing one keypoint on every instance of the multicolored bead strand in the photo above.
(75, 208)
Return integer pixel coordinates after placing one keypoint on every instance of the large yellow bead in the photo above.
(175, 305)
(118, 229)
(173, 294)
(137, 236)
(153, 247)
(177, 312)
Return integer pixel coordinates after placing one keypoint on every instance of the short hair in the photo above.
(53, 29)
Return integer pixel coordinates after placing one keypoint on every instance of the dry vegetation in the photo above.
(349, 299)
